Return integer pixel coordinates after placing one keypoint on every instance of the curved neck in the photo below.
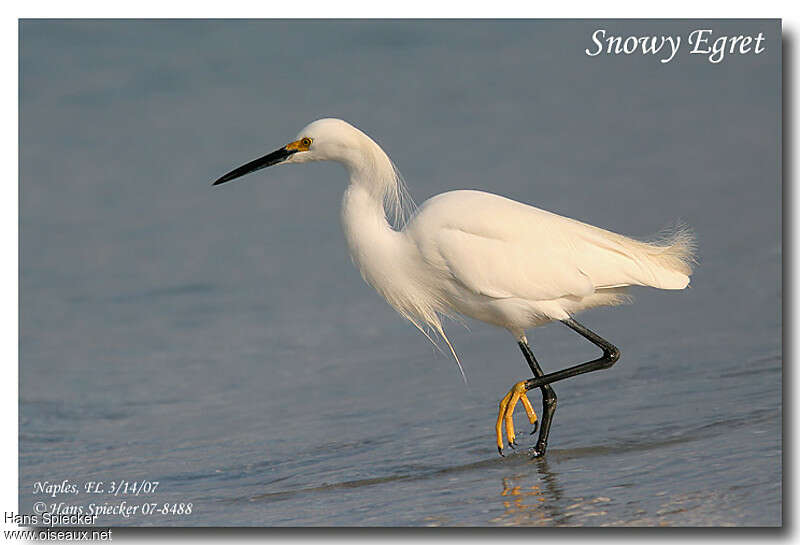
(378, 251)
(374, 245)
(371, 170)
(366, 228)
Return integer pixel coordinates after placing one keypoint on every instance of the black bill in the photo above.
(262, 162)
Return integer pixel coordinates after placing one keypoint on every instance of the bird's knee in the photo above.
(611, 354)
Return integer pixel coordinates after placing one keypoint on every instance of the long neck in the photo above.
(373, 182)
(373, 243)
(380, 253)
(386, 258)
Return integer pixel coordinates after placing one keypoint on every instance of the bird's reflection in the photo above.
(531, 498)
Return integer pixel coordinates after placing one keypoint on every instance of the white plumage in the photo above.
(531, 266)
(479, 254)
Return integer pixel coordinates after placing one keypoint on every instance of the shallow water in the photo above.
(220, 342)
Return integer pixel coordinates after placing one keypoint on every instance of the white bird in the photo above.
(483, 256)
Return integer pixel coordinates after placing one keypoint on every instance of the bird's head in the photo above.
(323, 140)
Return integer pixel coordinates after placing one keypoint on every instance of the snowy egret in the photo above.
(483, 256)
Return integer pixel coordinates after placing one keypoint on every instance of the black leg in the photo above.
(540, 380)
(609, 358)
(549, 400)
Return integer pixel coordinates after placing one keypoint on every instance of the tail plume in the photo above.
(675, 249)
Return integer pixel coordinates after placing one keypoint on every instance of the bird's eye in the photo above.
(305, 142)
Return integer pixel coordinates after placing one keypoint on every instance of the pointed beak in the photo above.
(268, 160)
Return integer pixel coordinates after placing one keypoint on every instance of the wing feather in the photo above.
(501, 248)
(502, 269)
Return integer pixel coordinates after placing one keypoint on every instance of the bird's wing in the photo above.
(501, 248)
(502, 268)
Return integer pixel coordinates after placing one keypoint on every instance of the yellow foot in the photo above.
(506, 412)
